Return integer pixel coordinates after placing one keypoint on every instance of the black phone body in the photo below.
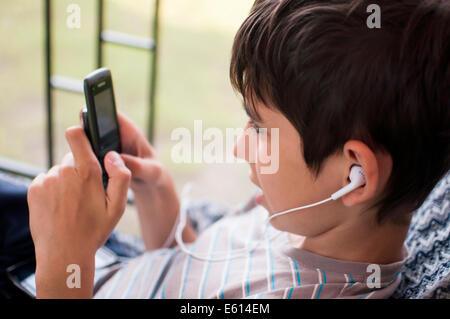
(100, 116)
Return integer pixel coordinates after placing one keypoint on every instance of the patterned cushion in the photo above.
(427, 273)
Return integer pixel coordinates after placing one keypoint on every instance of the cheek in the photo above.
(282, 190)
(291, 186)
(271, 182)
(267, 154)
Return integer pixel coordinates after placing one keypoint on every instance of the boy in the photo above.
(340, 94)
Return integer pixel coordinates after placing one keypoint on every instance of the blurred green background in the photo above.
(196, 37)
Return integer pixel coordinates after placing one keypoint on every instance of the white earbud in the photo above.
(357, 179)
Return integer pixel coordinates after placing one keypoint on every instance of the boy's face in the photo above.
(293, 184)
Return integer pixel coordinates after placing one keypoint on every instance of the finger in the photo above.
(43, 181)
(68, 160)
(35, 185)
(83, 156)
(53, 172)
(118, 183)
(38, 180)
(133, 140)
(148, 170)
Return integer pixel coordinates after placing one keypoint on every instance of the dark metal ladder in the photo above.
(75, 85)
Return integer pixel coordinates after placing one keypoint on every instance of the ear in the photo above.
(356, 152)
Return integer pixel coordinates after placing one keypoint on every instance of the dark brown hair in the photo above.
(335, 79)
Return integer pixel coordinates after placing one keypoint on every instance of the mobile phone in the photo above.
(100, 116)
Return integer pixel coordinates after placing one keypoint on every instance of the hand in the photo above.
(156, 198)
(135, 148)
(71, 215)
(140, 158)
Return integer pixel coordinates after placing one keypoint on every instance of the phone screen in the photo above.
(105, 114)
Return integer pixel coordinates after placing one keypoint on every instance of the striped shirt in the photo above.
(274, 269)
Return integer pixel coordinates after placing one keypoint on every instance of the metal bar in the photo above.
(99, 33)
(153, 74)
(66, 84)
(48, 70)
(19, 168)
(128, 40)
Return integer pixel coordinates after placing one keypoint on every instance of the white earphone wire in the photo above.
(359, 180)
(226, 254)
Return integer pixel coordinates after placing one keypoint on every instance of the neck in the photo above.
(361, 240)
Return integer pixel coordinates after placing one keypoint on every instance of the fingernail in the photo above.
(115, 159)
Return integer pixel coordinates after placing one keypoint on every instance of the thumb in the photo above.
(143, 169)
(118, 183)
